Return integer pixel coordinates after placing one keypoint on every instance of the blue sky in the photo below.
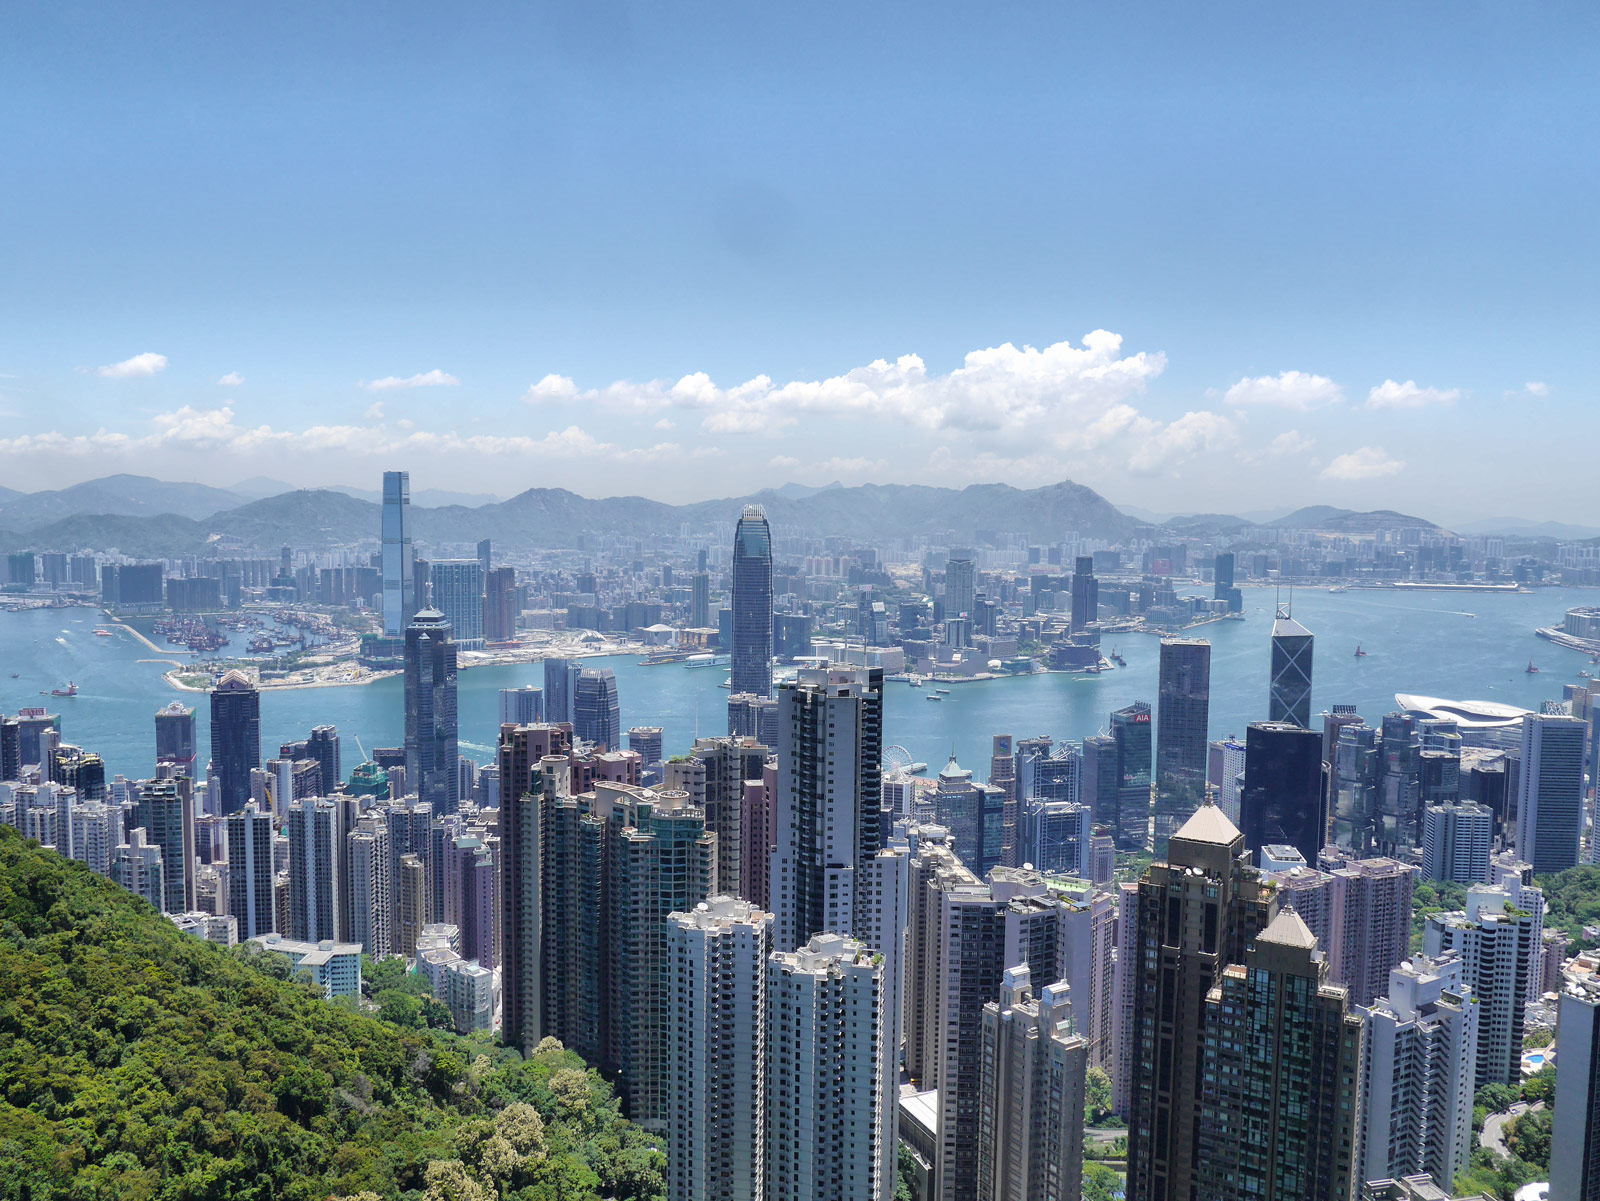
(1343, 255)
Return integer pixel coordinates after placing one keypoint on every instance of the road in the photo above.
(1494, 1126)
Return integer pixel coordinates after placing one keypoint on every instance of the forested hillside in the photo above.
(138, 1062)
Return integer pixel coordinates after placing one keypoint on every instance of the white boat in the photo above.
(915, 681)
(933, 696)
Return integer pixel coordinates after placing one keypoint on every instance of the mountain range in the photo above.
(146, 517)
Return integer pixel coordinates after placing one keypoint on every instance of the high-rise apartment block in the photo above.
(1575, 1138)
(1456, 841)
(714, 774)
(1498, 938)
(829, 817)
(1198, 911)
(165, 811)
(251, 872)
(830, 1102)
(1031, 1094)
(716, 975)
(1280, 1075)
(315, 854)
(1421, 1067)
(1370, 923)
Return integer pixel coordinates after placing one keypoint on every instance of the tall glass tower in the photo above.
(1181, 734)
(431, 732)
(399, 585)
(752, 604)
(1291, 671)
(235, 740)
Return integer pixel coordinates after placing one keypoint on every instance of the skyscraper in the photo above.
(717, 1048)
(960, 583)
(700, 601)
(1550, 804)
(430, 701)
(175, 743)
(596, 713)
(165, 810)
(829, 813)
(1369, 923)
(500, 605)
(1499, 938)
(250, 871)
(322, 745)
(1456, 841)
(1575, 1139)
(1197, 912)
(399, 588)
(1085, 594)
(1280, 1075)
(1282, 802)
(1182, 734)
(371, 920)
(1130, 727)
(235, 742)
(314, 861)
(456, 590)
(522, 706)
(558, 680)
(1290, 695)
(752, 604)
(714, 774)
(829, 1106)
(1417, 1092)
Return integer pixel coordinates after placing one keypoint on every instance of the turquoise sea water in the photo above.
(1421, 642)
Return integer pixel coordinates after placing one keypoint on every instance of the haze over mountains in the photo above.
(141, 516)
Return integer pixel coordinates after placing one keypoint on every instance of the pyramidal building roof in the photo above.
(1288, 929)
(1209, 824)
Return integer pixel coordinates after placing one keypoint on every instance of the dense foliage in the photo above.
(1433, 896)
(138, 1062)
(1572, 900)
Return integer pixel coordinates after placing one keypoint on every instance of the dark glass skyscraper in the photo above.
(557, 690)
(596, 713)
(235, 740)
(431, 752)
(399, 583)
(1131, 728)
(1085, 593)
(1181, 735)
(752, 604)
(1283, 801)
(1290, 699)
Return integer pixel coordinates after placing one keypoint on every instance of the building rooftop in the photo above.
(1209, 824)
(1288, 929)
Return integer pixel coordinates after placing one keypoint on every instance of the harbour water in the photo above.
(1460, 646)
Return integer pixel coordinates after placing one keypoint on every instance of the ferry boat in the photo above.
(933, 696)
(103, 633)
(915, 681)
(70, 690)
(942, 691)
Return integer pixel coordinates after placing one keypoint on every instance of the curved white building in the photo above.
(1469, 715)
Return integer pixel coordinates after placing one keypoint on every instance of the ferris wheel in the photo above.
(897, 761)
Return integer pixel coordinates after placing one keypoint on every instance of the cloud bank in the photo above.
(147, 363)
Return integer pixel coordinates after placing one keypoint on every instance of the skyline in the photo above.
(1338, 255)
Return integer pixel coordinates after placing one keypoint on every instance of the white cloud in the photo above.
(1189, 435)
(374, 411)
(666, 423)
(232, 380)
(1537, 388)
(427, 379)
(147, 363)
(783, 462)
(1367, 463)
(1291, 442)
(1392, 395)
(1003, 389)
(1287, 389)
